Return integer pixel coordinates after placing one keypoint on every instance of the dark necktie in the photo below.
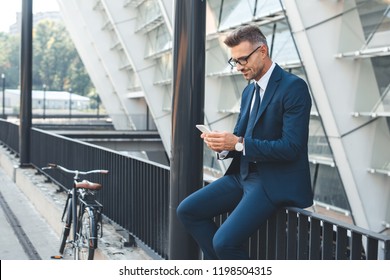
(253, 113)
(244, 166)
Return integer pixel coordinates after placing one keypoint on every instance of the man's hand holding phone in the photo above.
(217, 141)
(203, 128)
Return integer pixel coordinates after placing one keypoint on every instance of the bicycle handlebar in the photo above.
(57, 166)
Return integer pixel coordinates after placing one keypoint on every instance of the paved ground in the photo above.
(30, 218)
(22, 227)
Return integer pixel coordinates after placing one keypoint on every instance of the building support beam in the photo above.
(187, 111)
(25, 117)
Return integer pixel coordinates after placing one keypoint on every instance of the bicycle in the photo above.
(83, 213)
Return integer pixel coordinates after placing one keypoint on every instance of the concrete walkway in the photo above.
(22, 227)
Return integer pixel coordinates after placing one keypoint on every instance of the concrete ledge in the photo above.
(8, 163)
(49, 203)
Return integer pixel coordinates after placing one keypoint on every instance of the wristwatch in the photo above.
(239, 145)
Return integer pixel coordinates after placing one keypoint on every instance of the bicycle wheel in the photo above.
(67, 225)
(87, 235)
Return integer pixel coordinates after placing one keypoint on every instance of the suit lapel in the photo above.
(270, 91)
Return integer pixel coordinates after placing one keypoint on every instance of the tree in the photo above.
(56, 62)
(79, 78)
(9, 59)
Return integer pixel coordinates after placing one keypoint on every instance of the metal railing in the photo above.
(9, 135)
(136, 197)
(135, 193)
(296, 234)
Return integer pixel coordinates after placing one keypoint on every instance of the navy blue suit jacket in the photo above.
(279, 141)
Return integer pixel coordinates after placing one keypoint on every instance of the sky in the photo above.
(9, 8)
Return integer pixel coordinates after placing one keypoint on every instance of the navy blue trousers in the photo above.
(250, 208)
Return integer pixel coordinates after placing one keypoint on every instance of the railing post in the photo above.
(25, 114)
(386, 250)
(3, 100)
(187, 111)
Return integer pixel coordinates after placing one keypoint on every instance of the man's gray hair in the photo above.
(250, 33)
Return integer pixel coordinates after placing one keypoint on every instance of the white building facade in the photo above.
(45, 99)
(341, 48)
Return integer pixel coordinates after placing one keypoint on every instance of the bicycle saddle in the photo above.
(85, 184)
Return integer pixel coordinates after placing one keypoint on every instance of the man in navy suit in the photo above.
(270, 167)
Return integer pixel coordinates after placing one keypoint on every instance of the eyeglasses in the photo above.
(242, 60)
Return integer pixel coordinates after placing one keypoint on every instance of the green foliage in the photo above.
(56, 62)
(9, 59)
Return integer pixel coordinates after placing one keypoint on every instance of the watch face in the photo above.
(239, 147)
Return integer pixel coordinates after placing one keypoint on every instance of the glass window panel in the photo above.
(329, 189)
(148, 11)
(159, 40)
(266, 7)
(382, 73)
(132, 81)
(375, 18)
(163, 39)
(215, 9)
(167, 101)
(216, 57)
(230, 93)
(283, 49)
(318, 144)
(236, 12)
(313, 170)
(164, 68)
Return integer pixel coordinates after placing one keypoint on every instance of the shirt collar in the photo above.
(263, 82)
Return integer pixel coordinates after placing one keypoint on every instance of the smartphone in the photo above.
(203, 128)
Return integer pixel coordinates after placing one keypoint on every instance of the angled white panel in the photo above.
(85, 28)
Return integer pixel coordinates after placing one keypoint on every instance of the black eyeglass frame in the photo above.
(243, 60)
